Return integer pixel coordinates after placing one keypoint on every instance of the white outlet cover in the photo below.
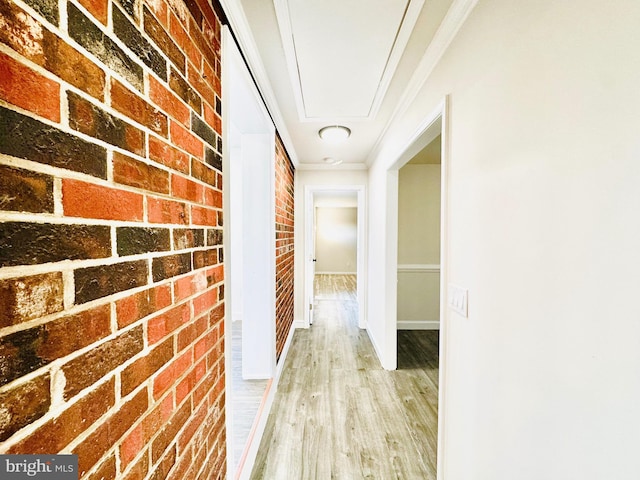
(458, 299)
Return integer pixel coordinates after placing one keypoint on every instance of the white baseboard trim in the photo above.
(418, 325)
(283, 355)
(376, 349)
(260, 422)
(299, 324)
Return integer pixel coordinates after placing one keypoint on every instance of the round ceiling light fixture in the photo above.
(331, 161)
(334, 133)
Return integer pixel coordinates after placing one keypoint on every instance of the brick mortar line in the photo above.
(57, 197)
(150, 273)
(145, 220)
(110, 166)
(63, 28)
(68, 290)
(113, 235)
(113, 324)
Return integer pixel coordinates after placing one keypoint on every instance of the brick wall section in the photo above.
(111, 273)
(284, 246)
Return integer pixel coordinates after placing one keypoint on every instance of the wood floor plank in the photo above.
(337, 414)
(247, 395)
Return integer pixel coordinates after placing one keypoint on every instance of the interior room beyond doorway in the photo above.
(334, 240)
(419, 206)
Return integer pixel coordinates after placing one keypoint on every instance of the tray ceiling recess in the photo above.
(342, 54)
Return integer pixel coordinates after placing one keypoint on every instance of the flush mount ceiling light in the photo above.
(334, 133)
(332, 161)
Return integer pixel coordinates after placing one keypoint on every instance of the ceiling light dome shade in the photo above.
(332, 161)
(334, 133)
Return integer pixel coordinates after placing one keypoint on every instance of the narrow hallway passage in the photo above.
(338, 414)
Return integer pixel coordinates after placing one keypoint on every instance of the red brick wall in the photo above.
(111, 274)
(284, 246)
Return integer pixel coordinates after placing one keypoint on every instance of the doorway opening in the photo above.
(419, 239)
(433, 131)
(249, 247)
(334, 241)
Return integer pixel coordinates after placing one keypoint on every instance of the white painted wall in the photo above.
(382, 273)
(336, 240)
(419, 214)
(258, 256)
(543, 378)
(305, 178)
(234, 250)
(418, 246)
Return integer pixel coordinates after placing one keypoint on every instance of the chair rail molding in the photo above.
(418, 268)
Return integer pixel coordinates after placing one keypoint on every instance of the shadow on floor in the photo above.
(418, 349)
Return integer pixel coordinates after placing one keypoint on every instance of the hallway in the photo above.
(338, 414)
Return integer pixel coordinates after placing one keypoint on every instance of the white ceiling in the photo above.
(334, 77)
(335, 198)
(328, 62)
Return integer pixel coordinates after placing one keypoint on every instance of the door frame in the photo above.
(309, 240)
(436, 122)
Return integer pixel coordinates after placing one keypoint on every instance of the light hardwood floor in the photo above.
(247, 397)
(337, 414)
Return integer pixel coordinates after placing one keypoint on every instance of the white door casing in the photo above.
(433, 125)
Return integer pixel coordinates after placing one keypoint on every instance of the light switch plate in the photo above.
(458, 299)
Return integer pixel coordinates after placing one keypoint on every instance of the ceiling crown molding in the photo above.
(451, 24)
(342, 166)
(247, 45)
(408, 20)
